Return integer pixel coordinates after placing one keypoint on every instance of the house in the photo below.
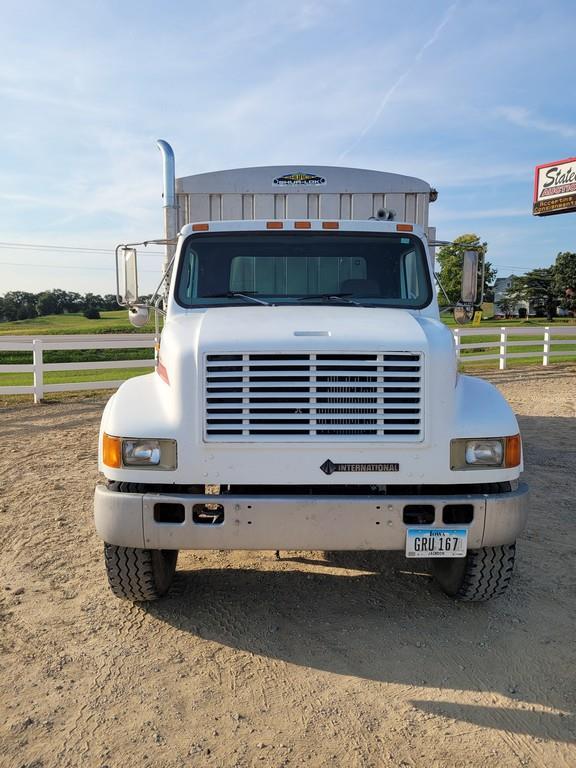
(501, 287)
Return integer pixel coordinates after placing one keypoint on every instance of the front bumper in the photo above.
(299, 522)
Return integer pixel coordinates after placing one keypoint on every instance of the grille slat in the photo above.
(360, 396)
(296, 375)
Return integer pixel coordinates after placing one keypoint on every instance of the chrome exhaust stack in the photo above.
(170, 207)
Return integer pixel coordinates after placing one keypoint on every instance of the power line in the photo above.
(67, 266)
(514, 266)
(76, 248)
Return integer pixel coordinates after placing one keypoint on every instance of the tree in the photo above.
(72, 302)
(506, 304)
(450, 258)
(61, 298)
(19, 305)
(514, 295)
(47, 303)
(110, 302)
(565, 280)
(93, 301)
(539, 288)
(25, 312)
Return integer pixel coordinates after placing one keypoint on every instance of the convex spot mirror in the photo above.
(463, 313)
(138, 316)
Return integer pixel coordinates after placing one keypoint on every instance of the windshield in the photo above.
(231, 268)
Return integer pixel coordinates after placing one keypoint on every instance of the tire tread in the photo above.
(488, 573)
(130, 573)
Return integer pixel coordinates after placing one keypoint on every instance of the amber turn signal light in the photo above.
(513, 455)
(112, 451)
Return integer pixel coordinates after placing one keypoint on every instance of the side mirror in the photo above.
(470, 268)
(130, 276)
(126, 276)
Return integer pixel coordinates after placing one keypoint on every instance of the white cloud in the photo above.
(526, 119)
(399, 80)
(448, 216)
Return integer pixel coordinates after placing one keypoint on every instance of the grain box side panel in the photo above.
(395, 202)
(231, 207)
(362, 205)
(263, 206)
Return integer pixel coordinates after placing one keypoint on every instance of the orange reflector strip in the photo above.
(274, 224)
(302, 225)
(112, 451)
(162, 372)
(404, 228)
(330, 225)
(200, 227)
(513, 454)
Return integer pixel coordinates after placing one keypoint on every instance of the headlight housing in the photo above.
(485, 453)
(139, 452)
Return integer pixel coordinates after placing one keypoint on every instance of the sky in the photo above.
(469, 95)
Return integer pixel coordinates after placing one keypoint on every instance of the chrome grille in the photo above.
(314, 396)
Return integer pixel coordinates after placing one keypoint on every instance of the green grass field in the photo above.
(117, 322)
(110, 322)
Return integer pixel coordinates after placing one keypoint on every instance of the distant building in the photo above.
(501, 286)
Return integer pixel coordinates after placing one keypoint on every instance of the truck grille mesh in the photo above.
(303, 397)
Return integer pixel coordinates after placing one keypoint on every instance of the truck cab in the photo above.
(306, 394)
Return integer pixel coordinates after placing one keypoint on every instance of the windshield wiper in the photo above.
(235, 295)
(331, 297)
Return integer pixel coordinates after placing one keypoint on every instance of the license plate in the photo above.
(436, 542)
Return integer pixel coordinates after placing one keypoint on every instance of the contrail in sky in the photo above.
(390, 92)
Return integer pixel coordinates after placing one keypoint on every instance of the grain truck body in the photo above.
(306, 394)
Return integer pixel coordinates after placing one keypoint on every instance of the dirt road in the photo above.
(349, 661)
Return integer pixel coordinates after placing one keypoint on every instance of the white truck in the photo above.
(306, 394)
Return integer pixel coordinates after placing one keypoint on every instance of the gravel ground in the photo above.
(316, 660)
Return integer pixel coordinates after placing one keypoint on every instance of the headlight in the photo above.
(485, 453)
(139, 452)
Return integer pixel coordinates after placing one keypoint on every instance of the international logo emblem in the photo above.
(329, 467)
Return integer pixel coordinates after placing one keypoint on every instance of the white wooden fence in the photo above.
(544, 343)
(40, 344)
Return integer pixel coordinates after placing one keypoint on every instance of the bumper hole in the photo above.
(169, 513)
(458, 513)
(418, 514)
(208, 514)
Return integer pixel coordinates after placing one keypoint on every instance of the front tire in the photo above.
(481, 575)
(139, 574)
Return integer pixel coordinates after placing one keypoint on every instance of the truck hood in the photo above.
(275, 329)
